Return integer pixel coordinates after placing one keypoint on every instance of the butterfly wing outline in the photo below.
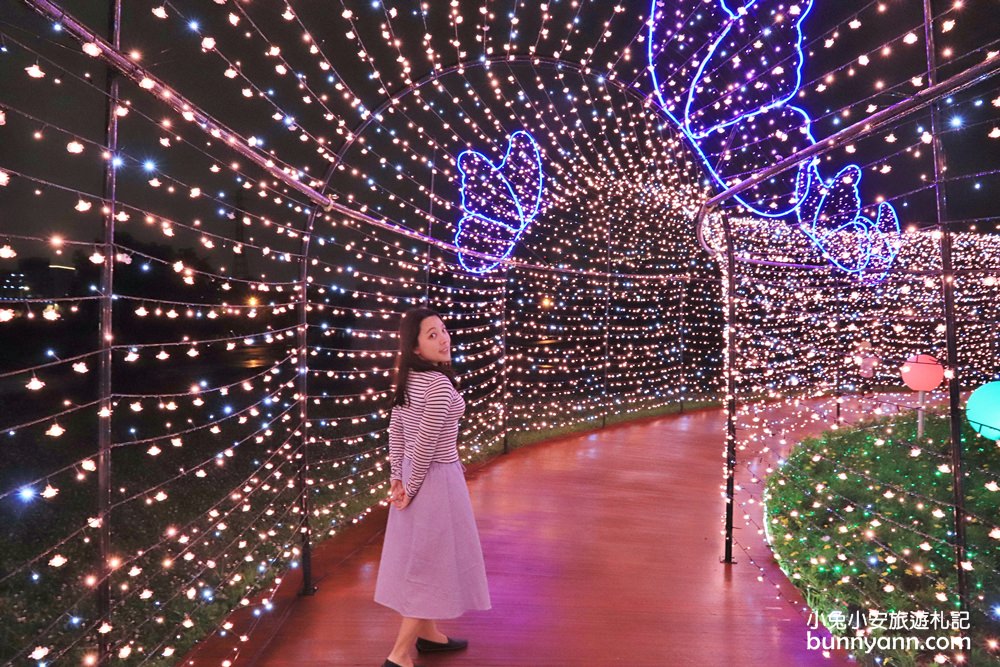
(738, 124)
(748, 70)
(887, 239)
(726, 78)
(830, 215)
(523, 169)
(737, 152)
(499, 201)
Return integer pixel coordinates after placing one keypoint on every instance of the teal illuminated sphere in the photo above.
(983, 410)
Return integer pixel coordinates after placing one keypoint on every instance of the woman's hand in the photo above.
(397, 494)
(396, 491)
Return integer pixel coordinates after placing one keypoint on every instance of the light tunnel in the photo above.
(213, 214)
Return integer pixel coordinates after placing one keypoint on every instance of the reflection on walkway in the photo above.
(601, 549)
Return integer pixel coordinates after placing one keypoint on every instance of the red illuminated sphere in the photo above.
(922, 372)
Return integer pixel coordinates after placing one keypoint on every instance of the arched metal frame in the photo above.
(120, 65)
(339, 155)
(119, 62)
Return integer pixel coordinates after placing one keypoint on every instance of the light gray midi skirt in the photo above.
(432, 562)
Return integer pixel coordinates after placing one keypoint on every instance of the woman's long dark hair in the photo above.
(407, 360)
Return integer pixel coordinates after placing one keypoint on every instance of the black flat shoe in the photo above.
(390, 663)
(427, 646)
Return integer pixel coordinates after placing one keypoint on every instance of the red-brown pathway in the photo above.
(601, 549)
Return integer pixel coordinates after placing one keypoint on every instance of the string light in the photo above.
(559, 247)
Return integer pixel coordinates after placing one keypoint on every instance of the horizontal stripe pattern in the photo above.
(426, 429)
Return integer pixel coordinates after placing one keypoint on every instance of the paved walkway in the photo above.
(601, 549)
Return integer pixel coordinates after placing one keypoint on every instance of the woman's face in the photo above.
(433, 342)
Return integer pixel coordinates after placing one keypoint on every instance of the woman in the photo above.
(432, 562)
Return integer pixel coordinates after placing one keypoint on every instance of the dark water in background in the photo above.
(27, 452)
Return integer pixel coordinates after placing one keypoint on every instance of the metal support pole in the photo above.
(921, 405)
(682, 375)
(104, 434)
(955, 416)
(505, 370)
(730, 334)
(430, 231)
(730, 396)
(302, 368)
(951, 330)
(837, 394)
(838, 376)
(607, 325)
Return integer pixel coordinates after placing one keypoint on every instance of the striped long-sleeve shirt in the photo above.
(426, 429)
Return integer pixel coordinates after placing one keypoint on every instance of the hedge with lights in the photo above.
(860, 519)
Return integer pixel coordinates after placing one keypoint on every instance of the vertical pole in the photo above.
(730, 389)
(607, 325)
(682, 376)
(302, 368)
(106, 335)
(430, 231)
(920, 414)
(951, 330)
(729, 293)
(840, 351)
(837, 395)
(505, 370)
(955, 415)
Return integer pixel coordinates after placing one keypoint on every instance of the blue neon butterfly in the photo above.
(830, 215)
(499, 202)
(726, 79)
